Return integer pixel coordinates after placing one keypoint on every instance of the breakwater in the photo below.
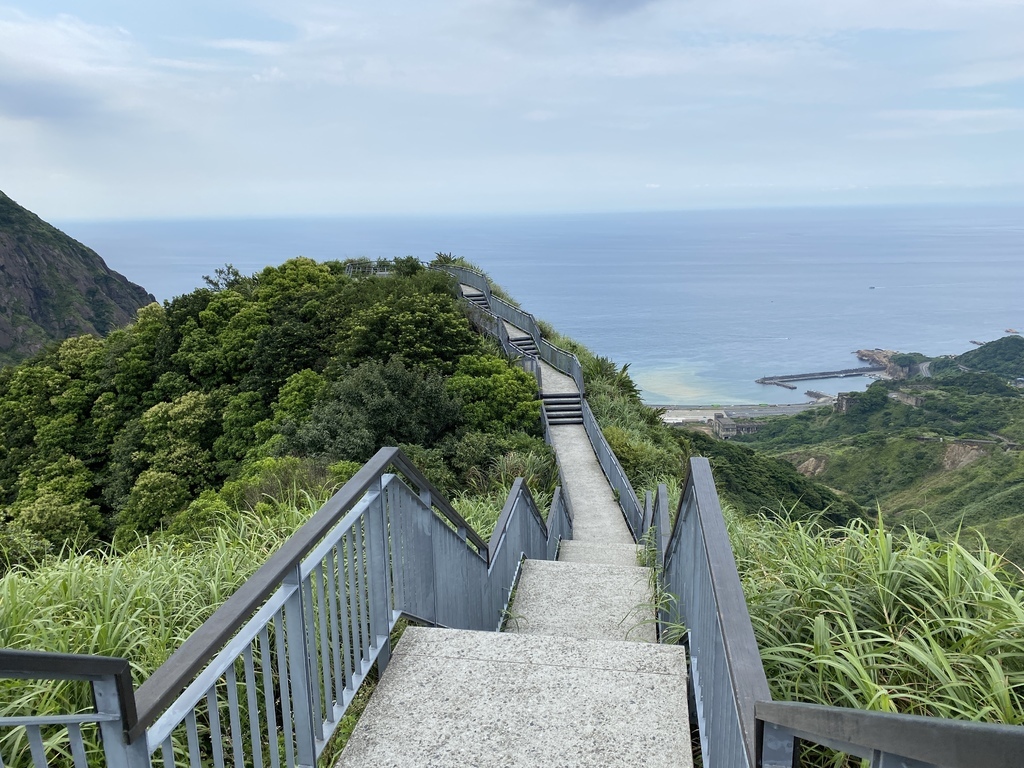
(784, 381)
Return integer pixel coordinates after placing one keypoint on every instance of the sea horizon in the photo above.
(700, 303)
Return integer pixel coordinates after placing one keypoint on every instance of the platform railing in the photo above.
(569, 364)
(624, 493)
(267, 679)
(885, 739)
(726, 671)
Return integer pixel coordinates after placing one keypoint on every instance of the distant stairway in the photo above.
(524, 344)
(475, 297)
(565, 408)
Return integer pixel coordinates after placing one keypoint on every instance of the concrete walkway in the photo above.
(576, 679)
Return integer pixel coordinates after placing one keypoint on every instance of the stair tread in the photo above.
(587, 600)
(452, 697)
(571, 551)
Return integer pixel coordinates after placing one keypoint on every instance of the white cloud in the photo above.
(914, 123)
(550, 102)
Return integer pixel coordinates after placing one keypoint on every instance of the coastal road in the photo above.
(679, 414)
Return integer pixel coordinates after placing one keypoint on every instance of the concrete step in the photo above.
(606, 554)
(457, 698)
(583, 600)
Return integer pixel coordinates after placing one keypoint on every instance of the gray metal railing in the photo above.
(469, 277)
(726, 670)
(739, 724)
(616, 475)
(267, 679)
(569, 364)
(885, 739)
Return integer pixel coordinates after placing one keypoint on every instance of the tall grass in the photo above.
(141, 605)
(861, 616)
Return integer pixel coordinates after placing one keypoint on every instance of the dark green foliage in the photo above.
(1004, 357)
(374, 405)
(755, 482)
(495, 395)
(53, 287)
(132, 433)
(870, 470)
(423, 329)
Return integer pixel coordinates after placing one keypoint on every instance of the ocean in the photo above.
(699, 303)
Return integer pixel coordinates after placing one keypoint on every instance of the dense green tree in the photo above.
(423, 329)
(374, 405)
(495, 395)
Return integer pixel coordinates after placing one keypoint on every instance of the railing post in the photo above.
(116, 749)
(777, 747)
(378, 572)
(661, 524)
(299, 672)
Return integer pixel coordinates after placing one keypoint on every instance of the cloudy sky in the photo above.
(125, 109)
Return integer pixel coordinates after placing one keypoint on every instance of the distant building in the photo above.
(907, 399)
(725, 427)
(843, 400)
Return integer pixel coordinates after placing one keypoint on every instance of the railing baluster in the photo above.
(332, 601)
(77, 746)
(363, 612)
(267, 670)
(325, 643)
(312, 661)
(255, 732)
(352, 626)
(348, 636)
(167, 750)
(234, 717)
(286, 689)
(192, 732)
(35, 742)
(216, 742)
(379, 586)
(298, 668)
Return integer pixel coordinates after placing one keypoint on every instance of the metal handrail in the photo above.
(161, 688)
(885, 738)
(613, 470)
(727, 674)
(305, 630)
(569, 364)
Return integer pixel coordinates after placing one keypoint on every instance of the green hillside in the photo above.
(945, 457)
(291, 377)
(53, 287)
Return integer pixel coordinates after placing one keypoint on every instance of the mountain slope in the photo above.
(53, 287)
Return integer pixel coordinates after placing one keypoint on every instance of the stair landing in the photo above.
(458, 698)
(583, 600)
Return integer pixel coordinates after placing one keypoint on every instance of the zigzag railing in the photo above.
(267, 679)
(560, 360)
(739, 723)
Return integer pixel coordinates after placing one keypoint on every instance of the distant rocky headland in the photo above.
(52, 287)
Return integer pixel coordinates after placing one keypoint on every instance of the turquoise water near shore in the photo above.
(700, 303)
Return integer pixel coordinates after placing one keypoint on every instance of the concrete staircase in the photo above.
(563, 408)
(524, 344)
(474, 296)
(576, 678)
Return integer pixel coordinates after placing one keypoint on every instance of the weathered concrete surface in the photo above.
(452, 698)
(583, 600)
(598, 517)
(571, 551)
(554, 382)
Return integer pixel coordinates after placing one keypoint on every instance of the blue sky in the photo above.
(121, 109)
